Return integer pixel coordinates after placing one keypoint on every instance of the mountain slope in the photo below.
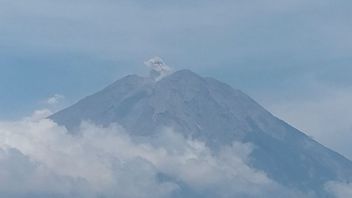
(209, 110)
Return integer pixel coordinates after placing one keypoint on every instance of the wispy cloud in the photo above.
(325, 114)
(56, 99)
(339, 190)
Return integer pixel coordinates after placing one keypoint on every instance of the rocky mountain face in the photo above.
(206, 109)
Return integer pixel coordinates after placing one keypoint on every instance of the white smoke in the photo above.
(159, 69)
(38, 158)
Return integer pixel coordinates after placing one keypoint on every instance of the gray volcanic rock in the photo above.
(211, 111)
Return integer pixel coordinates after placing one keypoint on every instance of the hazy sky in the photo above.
(292, 56)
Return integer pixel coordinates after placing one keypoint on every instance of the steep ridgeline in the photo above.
(213, 112)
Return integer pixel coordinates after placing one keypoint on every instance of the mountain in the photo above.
(209, 110)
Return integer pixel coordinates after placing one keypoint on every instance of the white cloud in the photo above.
(38, 157)
(39, 115)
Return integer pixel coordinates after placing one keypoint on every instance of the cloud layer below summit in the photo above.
(38, 158)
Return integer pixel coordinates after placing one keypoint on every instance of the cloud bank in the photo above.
(38, 158)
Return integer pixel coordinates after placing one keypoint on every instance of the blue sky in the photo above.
(293, 56)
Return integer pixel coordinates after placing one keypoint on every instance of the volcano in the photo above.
(208, 110)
